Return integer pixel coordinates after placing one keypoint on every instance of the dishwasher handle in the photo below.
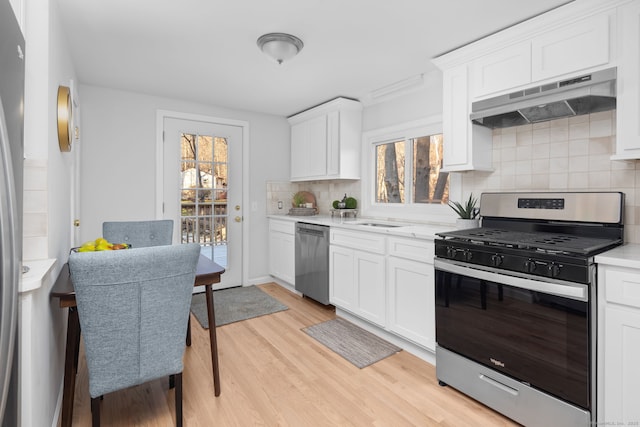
(311, 229)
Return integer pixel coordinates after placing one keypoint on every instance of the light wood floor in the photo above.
(273, 374)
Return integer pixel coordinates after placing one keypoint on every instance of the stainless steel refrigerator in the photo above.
(11, 161)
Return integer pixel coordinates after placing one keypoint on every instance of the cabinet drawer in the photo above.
(287, 227)
(622, 287)
(370, 242)
(414, 249)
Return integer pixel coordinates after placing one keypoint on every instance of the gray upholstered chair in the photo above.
(142, 234)
(139, 234)
(133, 307)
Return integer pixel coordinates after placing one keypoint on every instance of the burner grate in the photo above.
(535, 241)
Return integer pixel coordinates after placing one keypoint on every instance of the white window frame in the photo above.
(423, 212)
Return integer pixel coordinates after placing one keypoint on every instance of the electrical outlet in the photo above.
(279, 204)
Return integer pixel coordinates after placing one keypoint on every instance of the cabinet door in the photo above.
(622, 369)
(282, 256)
(309, 148)
(503, 70)
(455, 117)
(575, 47)
(370, 279)
(411, 300)
(628, 83)
(288, 258)
(466, 146)
(342, 284)
(333, 143)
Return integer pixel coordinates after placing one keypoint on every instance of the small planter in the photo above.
(462, 223)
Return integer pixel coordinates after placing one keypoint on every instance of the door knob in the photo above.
(238, 219)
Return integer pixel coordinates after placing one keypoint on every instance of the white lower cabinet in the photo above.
(388, 281)
(619, 346)
(410, 290)
(411, 301)
(357, 279)
(282, 250)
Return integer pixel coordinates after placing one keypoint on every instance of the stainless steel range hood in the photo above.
(585, 94)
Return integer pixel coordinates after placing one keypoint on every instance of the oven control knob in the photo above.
(530, 266)
(451, 252)
(496, 260)
(467, 255)
(554, 269)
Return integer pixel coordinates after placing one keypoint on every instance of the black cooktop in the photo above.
(534, 241)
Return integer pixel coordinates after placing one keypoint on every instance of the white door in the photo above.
(202, 190)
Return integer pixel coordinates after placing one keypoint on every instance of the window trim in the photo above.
(404, 211)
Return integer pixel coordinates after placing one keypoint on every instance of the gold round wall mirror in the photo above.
(64, 118)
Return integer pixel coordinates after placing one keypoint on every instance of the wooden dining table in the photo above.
(207, 274)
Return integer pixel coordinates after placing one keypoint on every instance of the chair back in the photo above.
(133, 307)
(139, 234)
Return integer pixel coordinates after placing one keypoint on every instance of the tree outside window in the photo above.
(411, 170)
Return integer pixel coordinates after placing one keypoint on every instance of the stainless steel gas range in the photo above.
(516, 303)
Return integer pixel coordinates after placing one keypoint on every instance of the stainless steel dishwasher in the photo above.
(312, 261)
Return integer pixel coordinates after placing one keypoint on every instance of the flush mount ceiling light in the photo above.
(280, 46)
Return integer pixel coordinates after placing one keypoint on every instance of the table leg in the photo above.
(213, 339)
(189, 331)
(70, 366)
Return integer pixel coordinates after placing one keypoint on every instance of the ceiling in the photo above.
(205, 50)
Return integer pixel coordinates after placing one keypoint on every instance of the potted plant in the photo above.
(298, 200)
(467, 213)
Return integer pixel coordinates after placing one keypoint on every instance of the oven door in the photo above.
(535, 331)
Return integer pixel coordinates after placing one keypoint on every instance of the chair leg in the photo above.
(178, 380)
(95, 411)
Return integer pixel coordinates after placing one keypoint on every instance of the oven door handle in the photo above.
(575, 291)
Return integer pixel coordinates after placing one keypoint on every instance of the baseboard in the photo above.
(420, 352)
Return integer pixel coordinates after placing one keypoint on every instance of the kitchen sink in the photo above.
(377, 224)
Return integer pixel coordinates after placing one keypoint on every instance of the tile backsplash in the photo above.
(35, 210)
(562, 155)
(572, 154)
(325, 193)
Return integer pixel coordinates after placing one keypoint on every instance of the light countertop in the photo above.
(627, 255)
(402, 228)
(34, 278)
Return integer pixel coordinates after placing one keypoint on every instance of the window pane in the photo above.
(188, 147)
(205, 148)
(390, 159)
(221, 150)
(429, 184)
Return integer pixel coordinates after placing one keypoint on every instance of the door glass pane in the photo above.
(390, 172)
(203, 194)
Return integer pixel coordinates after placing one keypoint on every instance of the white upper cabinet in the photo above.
(628, 83)
(309, 148)
(507, 68)
(571, 48)
(466, 146)
(325, 141)
(571, 40)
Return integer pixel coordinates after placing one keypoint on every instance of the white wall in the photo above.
(404, 107)
(47, 217)
(118, 161)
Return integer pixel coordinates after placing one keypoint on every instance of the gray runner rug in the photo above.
(360, 347)
(235, 304)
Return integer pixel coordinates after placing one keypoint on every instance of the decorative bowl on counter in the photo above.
(303, 211)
